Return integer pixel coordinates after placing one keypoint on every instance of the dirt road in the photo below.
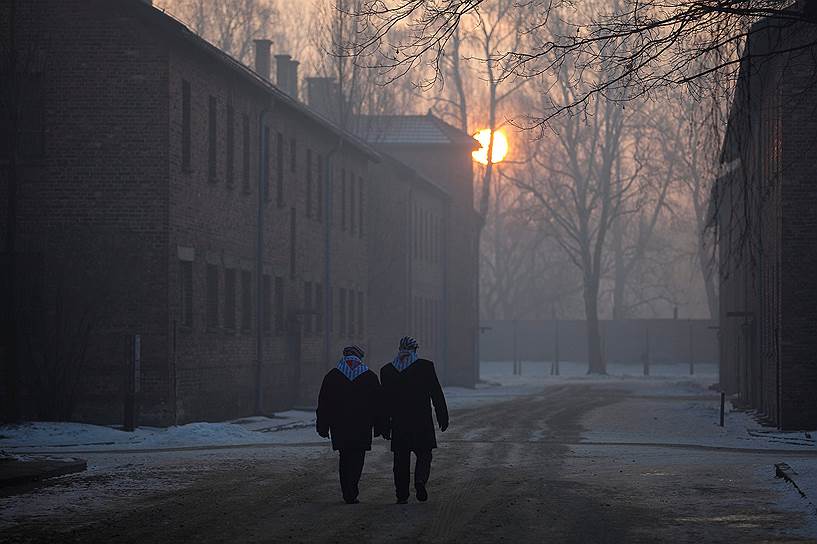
(504, 472)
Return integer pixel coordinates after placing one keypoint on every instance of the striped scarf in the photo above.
(404, 360)
(353, 370)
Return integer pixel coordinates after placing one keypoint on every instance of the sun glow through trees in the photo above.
(500, 146)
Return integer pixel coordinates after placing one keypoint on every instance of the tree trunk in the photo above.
(596, 363)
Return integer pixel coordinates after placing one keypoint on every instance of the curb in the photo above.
(17, 472)
(784, 471)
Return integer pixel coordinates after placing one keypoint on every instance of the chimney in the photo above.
(262, 58)
(321, 94)
(283, 73)
(293, 79)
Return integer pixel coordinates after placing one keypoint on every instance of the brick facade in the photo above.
(146, 208)
(765, 202)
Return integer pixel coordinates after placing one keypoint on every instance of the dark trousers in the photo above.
(402, 470)
(350, 468)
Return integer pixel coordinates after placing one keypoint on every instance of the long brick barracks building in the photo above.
(765, 207)
(165, 190)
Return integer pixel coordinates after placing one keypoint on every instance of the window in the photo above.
(245, 150)
(31, 126)
(361, 320)
(212, 296)
(319, 190)
(343, 199)
(185, 125)
(267, 162)
(280, 323)
(229, 298)
(279, 168)
(342, 311)
(293, 155)
(309, 183)
(319, 308)
(351, 314)
(308, 307)
(266, 316)
(246, 300)
(186, 281)
(360, 191)
(331, 309)
(230, 146)
(352, 219)
(293, 241)
(212, 137)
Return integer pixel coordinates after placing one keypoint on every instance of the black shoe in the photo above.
(352, 501)
(402, 501)
(422, 494)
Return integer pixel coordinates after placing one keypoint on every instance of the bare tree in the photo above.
(230, 26)
(577, 195)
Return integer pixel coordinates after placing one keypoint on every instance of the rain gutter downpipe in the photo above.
(327, 299)
(263, 175)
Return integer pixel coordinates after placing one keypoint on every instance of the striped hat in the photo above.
(354, 350)
(407, 343)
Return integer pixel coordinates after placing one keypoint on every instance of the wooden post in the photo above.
(723, 402)
(646, 349)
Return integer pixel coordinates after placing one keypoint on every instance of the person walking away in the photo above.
(348, 411)
(410, 387)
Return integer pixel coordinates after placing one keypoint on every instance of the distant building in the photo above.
(434, 199)
(166, 190)
(765, 208)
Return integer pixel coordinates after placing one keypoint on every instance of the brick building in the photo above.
(149, 208)
(165, 190)
(765, 207)
(433, 199)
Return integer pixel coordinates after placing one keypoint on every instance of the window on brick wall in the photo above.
(230, 146)
(293, 155)
(246, 300)
(229, 299)
(186, 283)
(343, 198)
(319, 310)
(309, 183)
(352, 215)
(308, 318)
(279, 168)
(341, 311)
(319, 190)
(245, 153)
(361, 195)
(361, 315)
(267, 162)
(212, 139)
(186, 125)
(280, 309)
(212, 296)
(293, 243)
(266, 299)
(352, 306)
(31, 121)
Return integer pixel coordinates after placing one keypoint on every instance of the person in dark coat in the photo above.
(410, 386)
(348, 411)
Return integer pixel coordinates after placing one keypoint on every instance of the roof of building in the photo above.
(180, 30)
(425, 129)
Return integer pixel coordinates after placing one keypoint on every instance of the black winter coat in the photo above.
(349, 410)
(407, 402)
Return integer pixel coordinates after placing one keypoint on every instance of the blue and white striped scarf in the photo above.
(401, 362)
(350, 372)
